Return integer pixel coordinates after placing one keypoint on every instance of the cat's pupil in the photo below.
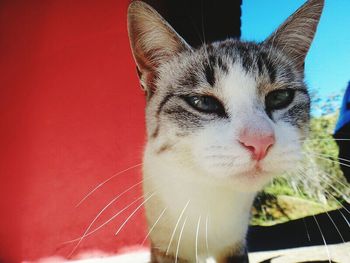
(279, 99)
(206, 104)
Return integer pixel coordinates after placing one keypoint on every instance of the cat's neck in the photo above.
(217, 207)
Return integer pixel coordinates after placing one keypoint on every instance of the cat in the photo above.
(222, 120)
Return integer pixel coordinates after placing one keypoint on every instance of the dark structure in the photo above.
(302, 232)
(199, 21)
(342, 134)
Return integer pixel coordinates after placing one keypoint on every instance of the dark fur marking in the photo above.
(164, 148)
(190, 80)
(209, 48)
(163, 102)
(302, 90)
(226, 45)
(260, 65)
(271, 70)
(212, 60)
(298, 114)
(209, 73)
(156, 132)
(223, 67)
(288, 73)
(184, 118)
(181, 134)
(159, 110)
(246, 59)
(269, 113)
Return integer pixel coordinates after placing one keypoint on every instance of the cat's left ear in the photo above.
(153, 41)
(295, 35)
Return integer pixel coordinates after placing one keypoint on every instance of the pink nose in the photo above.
(257, 144)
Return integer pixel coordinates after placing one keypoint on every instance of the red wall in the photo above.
(71, 116)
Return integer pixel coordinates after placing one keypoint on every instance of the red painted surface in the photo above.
(71, 116)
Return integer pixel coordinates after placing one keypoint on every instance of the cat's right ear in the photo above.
(295, 35)
(153, 41)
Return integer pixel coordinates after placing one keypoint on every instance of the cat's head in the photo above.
(230, 110)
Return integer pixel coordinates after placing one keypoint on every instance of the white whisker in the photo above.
(203, 32)
(106, 181)
(195, 26)
(105, 223)
(346, 220)
(320, 156)
(197, 232)
(136, 209)
(86, 234)
(326, 180)
(334, 188)
(176, 225)
(206, 234)
(341, 205)
(307, 230)
(329, 139)
(324, 240)
(153, 226)
(331, 219)
(178, 242)
(100, 213)
(337, 229)
(331, 156)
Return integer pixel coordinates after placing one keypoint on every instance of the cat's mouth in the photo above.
(251, 180)
(258, 167)
(256, 172)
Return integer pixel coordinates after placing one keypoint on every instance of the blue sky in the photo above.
(328, 62)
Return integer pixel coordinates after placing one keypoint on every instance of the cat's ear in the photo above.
(153, 41)
(295, 35)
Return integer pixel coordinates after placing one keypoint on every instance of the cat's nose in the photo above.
(257, 143)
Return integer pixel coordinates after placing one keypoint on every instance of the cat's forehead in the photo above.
(211, 64)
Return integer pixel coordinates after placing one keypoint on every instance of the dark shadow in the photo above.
(342, 134)
(269, 260)
(199, 20)
(302, 232)
(342, 137)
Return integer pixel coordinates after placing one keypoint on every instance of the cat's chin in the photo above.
(252, 180)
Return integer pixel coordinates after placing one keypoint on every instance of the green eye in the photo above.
(206, 104)
(279, 99)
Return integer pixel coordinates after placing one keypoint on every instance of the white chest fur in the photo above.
(202, 217)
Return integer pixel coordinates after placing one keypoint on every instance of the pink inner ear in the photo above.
(257, 143)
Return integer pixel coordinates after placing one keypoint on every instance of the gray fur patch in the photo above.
(195, 72)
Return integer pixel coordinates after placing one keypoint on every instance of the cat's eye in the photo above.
(207, 104)
(279, 99)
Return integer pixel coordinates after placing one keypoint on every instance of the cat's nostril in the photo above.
(257, 144)
(248, 147)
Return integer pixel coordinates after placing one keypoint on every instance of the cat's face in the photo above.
(206, 100)
(231, 111)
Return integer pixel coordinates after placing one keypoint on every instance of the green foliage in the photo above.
(323, 150)
(317, 180)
